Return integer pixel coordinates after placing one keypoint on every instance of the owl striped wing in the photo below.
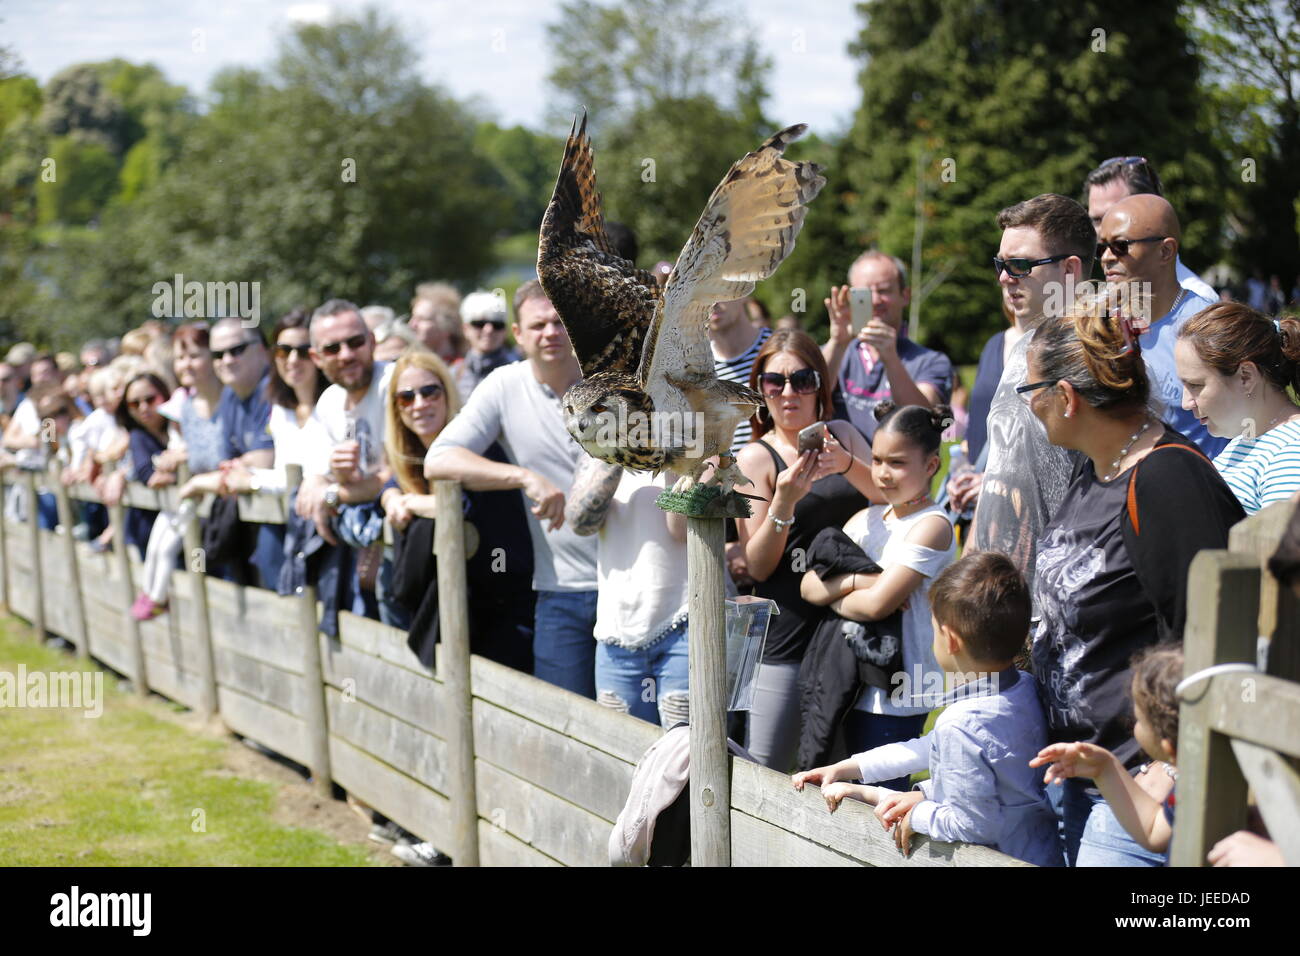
(748, 227)
(606, 303)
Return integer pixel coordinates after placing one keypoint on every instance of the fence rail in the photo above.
(491, 765)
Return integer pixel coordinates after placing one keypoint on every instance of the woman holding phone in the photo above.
(800, 492)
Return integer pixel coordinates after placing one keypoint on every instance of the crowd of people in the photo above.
(1094, 429)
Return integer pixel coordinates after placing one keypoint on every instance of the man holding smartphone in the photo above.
(880, 362)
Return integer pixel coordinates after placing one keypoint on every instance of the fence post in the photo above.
(315, 717)
(1222, 624)
(709, 781)
(453, 670)
(4, 544)
(117, 514)
(193, 545)
(80, 633)
(34, 530)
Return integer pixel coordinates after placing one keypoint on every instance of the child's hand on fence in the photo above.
(893, 807)
(834, 794)
(903, 831)
(1072, 760)
(821, 776)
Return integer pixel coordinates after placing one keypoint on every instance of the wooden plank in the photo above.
(553, 826)
(22, 590)
(419, 755)
(313, 691)
(263, 508)
(379, 640)
(413, 805)
(34, 543)
(1279, 611)
(164, 639)
(1277, 792)
(171, 681)
(756, 842)
(617, 734)
(195, 618)
(496, 847)
(583, 775)
(414, 698)
(263, 682)
(268, 725)
(852, 830)
(1222, 619)
(1258, 708)
(710, 784)
(256, 623)
(6, 544)
(68, 559)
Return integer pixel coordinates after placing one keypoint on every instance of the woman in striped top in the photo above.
(1236, 366)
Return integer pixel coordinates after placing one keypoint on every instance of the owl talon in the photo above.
(727, 475)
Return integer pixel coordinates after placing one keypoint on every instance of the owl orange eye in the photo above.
(598, 409)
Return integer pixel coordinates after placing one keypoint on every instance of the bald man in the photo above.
(1137, 245)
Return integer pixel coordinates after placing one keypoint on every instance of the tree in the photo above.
(1005, 100)
(1252, 48)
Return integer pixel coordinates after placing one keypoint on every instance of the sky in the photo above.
(493, 49)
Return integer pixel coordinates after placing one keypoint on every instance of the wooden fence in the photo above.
(491, 765)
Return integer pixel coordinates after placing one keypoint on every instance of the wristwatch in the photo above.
(332, 497)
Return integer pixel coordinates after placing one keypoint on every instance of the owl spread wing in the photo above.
(606, 302)
(747, 229)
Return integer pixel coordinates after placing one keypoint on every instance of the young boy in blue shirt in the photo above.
(981, 788)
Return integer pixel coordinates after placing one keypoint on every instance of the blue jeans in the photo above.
(864, 731)
(47, 511)
(1090, 833)
(564, 651)
(651, 682)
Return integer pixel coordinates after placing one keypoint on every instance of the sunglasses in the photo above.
(354, 344)
(1019, 268)
(234, 351)
(1026, 391)
(153, 399)
(1123, 161)
(406, 397)
(284, 351)
(481, 323)
(1120, 246)
(806, 381)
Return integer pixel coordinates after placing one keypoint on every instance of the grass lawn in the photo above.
(123, 789)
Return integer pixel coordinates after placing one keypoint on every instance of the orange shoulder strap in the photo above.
(1132, 481)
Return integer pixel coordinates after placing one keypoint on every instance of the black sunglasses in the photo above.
(804, 382)
(406, 397)
(1019, 268)
(1120, 246)
(1123, 161)
(353, 343)
(284, 351)
(1024, 390)
(234, 351)
(480, 323)
(153, 399)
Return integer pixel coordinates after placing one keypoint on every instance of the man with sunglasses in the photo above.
(484, 315)
(1047, 245)
(519, 406)
(1137, 245)
(1123, 176)
(882, 362)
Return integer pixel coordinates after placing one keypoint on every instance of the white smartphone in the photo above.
(859, 308)
(812, 438)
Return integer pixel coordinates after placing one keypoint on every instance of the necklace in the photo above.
(1280, 418)
(1114, 468)
(917, 500)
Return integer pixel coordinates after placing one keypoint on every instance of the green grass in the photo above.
(122, 789)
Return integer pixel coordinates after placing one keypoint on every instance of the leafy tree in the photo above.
(525, 162)
(79, 103)
(84, 178)
(1253, 50)
(999, 100)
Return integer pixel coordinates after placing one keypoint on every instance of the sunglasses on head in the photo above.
(1120, 246)
(1019, 268)
(284, 351)
(234, 351)
(1123, 161)
(406, 397)
(804, 382)
(354, 343)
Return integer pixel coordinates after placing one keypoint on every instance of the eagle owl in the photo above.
(649, 399)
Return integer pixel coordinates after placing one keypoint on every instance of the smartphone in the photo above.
(812, 438)
(859, 308)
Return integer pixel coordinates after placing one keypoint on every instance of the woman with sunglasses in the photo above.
(146, 432)
(1112, 562)
(1236, 365)
(799, 494)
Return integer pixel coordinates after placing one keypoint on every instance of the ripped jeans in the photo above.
(649, 682)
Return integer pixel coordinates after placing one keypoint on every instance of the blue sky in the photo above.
(813, 79)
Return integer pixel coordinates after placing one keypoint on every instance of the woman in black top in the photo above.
(1112, 567)
(801, 494)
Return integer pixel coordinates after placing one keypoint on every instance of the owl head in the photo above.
(612, 420)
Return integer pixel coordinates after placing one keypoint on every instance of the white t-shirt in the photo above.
(883, 539)
(641, 567)
(26, 418)
(364, 422)
(93, 433)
